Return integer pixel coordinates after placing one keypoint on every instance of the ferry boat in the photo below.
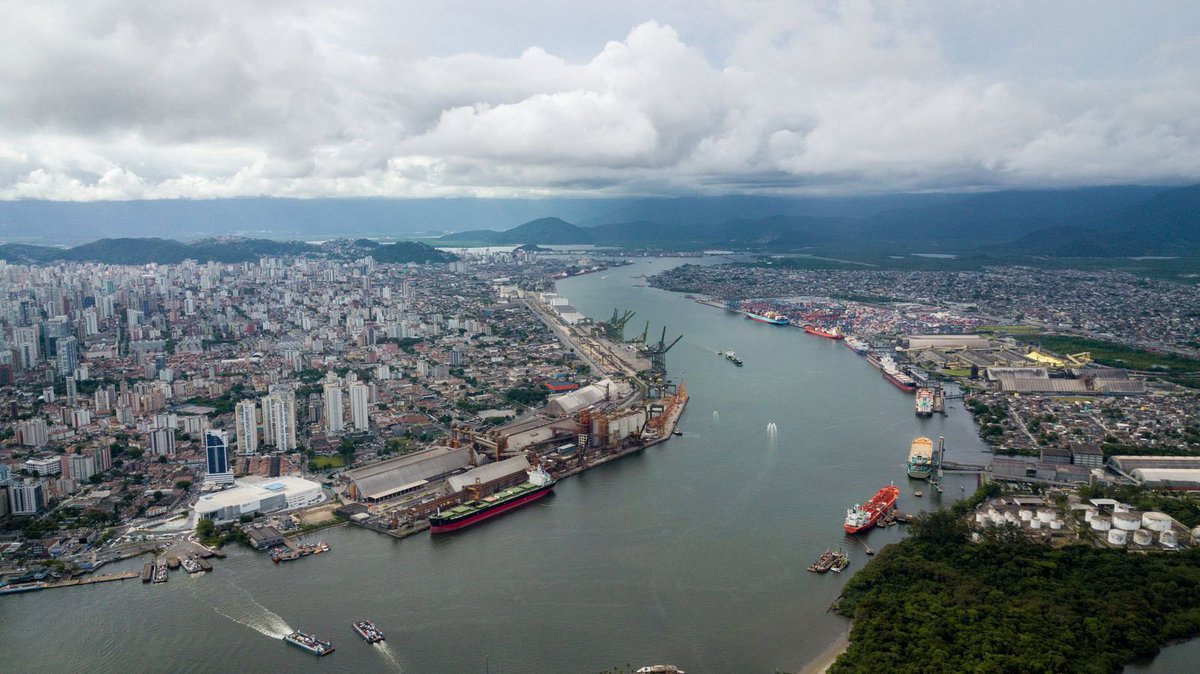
(920, 459)
(368, 631)
(309, 643)
(862, 517)
(479, 509)
(857, 346)
(16, 588)
(770, 317)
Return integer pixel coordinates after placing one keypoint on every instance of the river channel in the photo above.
(692, 552)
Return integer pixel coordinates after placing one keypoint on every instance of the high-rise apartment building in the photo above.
(360, 398)
(246, 417)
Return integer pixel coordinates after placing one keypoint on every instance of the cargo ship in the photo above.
(920, 459)
(309, 643)
(899, 378)
(827, 333)
(924, 403)
(873, 359)
(864, 516)
(770, 317)
(368, 631)
(857, 346)
(479, 509)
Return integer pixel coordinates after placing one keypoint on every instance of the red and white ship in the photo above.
(865, 516)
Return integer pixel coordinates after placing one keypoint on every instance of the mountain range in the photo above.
(1093, 222)
(138, 251)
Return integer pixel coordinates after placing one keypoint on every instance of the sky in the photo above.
(128, 99)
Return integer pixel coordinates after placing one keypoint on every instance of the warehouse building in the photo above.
(258, 495)
(394, 477)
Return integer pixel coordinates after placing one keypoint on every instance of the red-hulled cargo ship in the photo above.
(827, 333)
(479, 509)
(866, 515)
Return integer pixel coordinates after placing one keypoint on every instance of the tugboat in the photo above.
(309, 643)
(733, 358)
(368, 631)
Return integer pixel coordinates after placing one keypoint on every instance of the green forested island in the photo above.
(936, 602)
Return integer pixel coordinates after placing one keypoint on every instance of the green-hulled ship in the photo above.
(920, 459)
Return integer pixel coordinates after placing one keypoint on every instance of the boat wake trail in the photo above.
(240, 607)
(388, 655)
(716, 417)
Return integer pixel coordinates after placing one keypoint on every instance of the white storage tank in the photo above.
(1126, 521)
(1121, 508)
(1196, 535)
(975, 538)
(1056, 525)
(994, 514)
(1168, 539)
(1101, 523)
(1025, 515)
(1143, 537)
(1089, 514)
(1116, 536)
(981, 518)
(1155, 521)
(1046, 516)
(1035, 524)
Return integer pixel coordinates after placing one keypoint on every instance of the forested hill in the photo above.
(139, 251)
(937, 603)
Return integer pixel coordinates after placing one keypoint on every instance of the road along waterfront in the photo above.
(691, 552)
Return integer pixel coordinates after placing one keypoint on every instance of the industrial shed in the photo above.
(489, 472)
(407, 473)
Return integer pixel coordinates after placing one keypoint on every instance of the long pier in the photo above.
(92, 580)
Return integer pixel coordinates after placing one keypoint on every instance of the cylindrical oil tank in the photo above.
(1035, 524)
(1121, 508)
(1196, 535)
(1046, 516)
(1168, 539)
(1143, 537)
(1025, 515)
(1089, 514)
(1155, 521)
(1126, 521)
(1056, 525)
(1117, 536)
(981, 518)
(1101, 523)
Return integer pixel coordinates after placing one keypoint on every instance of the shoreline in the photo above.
(826, 658)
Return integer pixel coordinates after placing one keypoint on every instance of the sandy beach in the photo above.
(821, 663)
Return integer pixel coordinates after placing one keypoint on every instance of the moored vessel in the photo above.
(857, 346)
(478, 509)
(827, 333)
(924, 402)
(899, 378)
(920, 459)
(309, 643)
(864, 516)
(770, 317)
(368, 631)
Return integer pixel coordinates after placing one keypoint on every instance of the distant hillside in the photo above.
(1167, 223)
(141, 251)
(404, 252)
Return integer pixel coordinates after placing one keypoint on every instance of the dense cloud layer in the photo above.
(129, 100)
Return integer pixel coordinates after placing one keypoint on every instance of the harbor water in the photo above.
(693, 552)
